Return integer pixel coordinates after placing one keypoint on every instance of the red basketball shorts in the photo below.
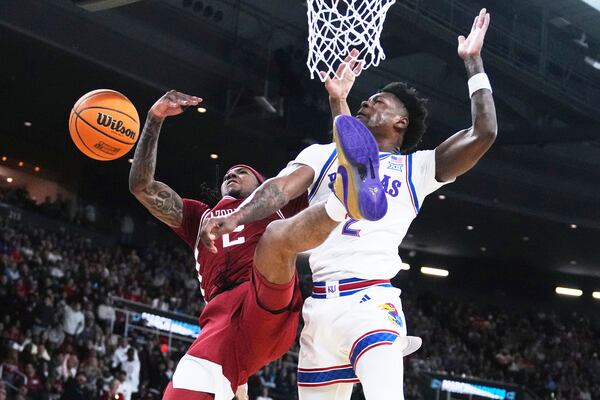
(238, 337)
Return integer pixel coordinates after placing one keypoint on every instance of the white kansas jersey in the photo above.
(368, 249)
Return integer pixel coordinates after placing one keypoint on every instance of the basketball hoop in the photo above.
(337, 26)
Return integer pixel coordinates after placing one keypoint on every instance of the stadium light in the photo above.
(214, 156)
(568, 291)
(201, 110)
(434, 271)
(404, 266)
(592, 62)
(596, 295)
(9, 179)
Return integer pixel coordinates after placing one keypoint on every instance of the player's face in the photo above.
(383, 111)
(239, 182)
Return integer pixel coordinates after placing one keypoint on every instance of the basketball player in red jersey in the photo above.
(251, 288)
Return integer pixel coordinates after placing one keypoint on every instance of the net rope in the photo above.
(337, 26)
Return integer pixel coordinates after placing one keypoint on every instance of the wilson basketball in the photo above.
(104, 124)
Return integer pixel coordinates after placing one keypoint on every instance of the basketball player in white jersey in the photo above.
(355, 329)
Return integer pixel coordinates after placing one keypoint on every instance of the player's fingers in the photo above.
(486, 23)
(461, 40)
(481, 19)
(474, 23)
(324, 77)
(218, 231)
(340, 71)
(207, 228)
(351, 54)
(358, 69)
(191, 99)
(351, 59)
(182, 99)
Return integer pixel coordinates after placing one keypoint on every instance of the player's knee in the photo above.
(275, 234)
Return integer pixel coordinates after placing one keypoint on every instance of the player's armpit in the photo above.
(162, 202)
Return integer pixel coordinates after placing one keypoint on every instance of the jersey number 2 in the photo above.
(239, 240)
(346, 230)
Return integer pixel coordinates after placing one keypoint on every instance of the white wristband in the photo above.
(477, 82)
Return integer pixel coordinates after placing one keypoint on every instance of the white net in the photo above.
(337, 26)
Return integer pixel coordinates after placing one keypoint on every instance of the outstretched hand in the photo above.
(173, 103)
(470, 46)
(213, 228)
(348, 70)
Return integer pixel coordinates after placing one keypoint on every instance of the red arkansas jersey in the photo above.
(233, 262)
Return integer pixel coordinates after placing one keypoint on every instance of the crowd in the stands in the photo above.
(61, 337)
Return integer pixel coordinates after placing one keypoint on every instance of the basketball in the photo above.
(104, 124)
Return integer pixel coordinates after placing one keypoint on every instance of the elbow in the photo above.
(486, 133)
(489, 135)
(136, 186)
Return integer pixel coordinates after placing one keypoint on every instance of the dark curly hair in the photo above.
(417, 114)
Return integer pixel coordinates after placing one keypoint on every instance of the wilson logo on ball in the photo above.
(104, 124)
(115, 125)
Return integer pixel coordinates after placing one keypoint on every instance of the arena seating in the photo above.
(56, 340)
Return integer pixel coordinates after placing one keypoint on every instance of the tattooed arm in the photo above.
(271, 196)
(162, 201)
(461, 152)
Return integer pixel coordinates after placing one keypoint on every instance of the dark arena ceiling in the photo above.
(533, 201)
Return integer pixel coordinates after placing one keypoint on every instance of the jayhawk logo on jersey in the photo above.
(393, 315)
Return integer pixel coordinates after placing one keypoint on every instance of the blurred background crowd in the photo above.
(62, 338)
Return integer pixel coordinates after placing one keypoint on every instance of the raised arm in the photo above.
(162, 201)
(461, 152)
(269, 197)
(338, 89)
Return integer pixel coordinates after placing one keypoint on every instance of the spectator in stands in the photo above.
(76, 388)
(34, 382)
(74, 321)
(43, 315)
(106, 312)
(56, 334)
(120, 353)
(125, 386)
(131, 366)
(264, 395)
(112, 393)
(11, 272)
